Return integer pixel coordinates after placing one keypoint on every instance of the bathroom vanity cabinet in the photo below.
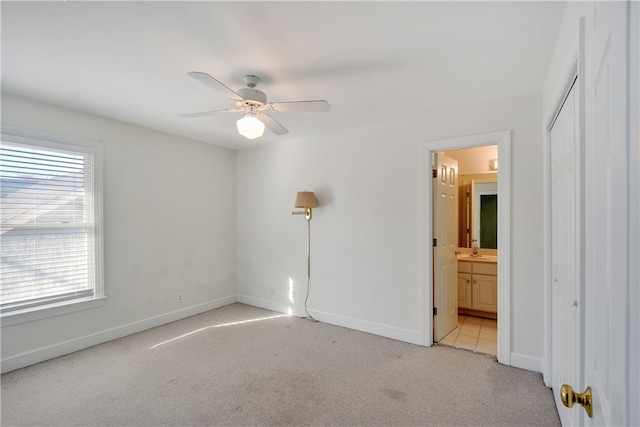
(478, 287)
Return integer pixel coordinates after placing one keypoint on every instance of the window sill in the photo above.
(38, 313)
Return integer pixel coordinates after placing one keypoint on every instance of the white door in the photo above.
(606, 353)
(604, 361)
(565, 247)
(445, 233)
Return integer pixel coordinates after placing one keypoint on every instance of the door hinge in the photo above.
(435, 173)
(435, 243)
(435, 311)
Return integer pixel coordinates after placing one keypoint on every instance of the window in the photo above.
(50, 231)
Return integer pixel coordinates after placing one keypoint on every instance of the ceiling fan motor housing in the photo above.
(253, 95)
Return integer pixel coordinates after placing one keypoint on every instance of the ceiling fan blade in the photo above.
(213, 83)
(304, 106)
(211, 113)
(273, 126)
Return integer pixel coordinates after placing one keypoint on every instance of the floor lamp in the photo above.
(308, 201)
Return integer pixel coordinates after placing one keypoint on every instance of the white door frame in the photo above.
(634, 209)
(503, 140)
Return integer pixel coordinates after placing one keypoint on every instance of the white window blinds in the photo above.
(47, 233)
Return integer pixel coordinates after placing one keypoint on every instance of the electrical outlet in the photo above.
(179, 299)
(273, 291)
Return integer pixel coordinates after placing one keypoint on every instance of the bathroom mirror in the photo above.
(478, 210)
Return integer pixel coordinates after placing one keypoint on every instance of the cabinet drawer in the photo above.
(483, 268)
(464, 267)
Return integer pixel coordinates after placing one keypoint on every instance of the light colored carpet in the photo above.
(221, 369)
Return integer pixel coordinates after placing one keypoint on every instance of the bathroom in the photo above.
(477, 252)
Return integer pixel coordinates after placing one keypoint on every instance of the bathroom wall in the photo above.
(474, 160)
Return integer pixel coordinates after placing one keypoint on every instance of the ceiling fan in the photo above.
(253, 103)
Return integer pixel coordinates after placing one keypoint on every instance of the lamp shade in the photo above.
(250, 127)
(306, 199)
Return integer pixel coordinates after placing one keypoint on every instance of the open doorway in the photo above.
(502, 141)
(475, 251)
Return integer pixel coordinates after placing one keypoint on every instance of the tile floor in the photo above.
(474, 333)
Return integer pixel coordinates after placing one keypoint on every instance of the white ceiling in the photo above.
(372, 61)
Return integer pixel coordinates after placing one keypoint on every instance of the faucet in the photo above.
(474, 245)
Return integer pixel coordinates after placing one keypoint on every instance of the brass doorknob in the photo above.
(569, 397)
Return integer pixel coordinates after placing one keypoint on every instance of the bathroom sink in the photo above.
(481, 258)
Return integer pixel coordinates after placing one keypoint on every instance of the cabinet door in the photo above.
(464, 290)
(484, 293)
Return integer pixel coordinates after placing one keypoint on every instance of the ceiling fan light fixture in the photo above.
(250, 126)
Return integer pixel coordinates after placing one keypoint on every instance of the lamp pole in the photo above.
(308, 214)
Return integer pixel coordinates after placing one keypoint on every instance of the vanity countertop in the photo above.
(483, 258)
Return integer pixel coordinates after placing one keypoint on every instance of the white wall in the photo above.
(169, 228)
(366, 263)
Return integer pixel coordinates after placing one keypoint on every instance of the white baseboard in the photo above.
(413, 337)
(45, 353)
(405, 335)
(526, 362)
(271, 305)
